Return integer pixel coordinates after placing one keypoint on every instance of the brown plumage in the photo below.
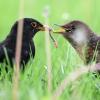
(83, 39)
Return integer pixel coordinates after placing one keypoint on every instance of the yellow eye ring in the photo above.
(34, 24)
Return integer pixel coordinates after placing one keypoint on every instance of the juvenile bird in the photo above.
(8, 46)
(82, 39)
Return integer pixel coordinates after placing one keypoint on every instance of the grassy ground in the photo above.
(33, 83)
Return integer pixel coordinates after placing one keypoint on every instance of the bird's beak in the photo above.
(60, 30)
(41, 28)
(44, 28)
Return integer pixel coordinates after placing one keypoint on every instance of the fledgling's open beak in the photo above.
(60, 30)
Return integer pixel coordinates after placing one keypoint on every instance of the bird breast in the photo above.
(79, 36)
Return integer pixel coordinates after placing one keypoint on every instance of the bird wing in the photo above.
(32, 47)
(2, 54)
(5, 53)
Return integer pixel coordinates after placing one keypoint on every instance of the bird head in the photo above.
(75, 31)
(30, 27)
(33, 25)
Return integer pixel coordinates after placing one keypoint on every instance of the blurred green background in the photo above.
(64, 58)
(86, 10)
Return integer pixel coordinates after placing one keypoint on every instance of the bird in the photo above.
(83, 40)
(8, 46)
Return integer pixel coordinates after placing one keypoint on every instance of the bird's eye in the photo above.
(68, 30)
(34, 24)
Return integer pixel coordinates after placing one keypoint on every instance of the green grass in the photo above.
(33, 83)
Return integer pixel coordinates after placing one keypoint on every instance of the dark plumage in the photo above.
(83, 39)
(30, 28)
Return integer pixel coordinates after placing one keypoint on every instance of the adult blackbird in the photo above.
(83, 39)
(8, 46)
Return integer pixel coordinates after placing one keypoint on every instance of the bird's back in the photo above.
(93, 50)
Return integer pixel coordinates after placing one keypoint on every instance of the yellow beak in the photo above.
(60, 30)
(41, 28)
(44, 28)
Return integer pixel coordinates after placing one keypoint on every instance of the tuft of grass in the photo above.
(33, 82)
